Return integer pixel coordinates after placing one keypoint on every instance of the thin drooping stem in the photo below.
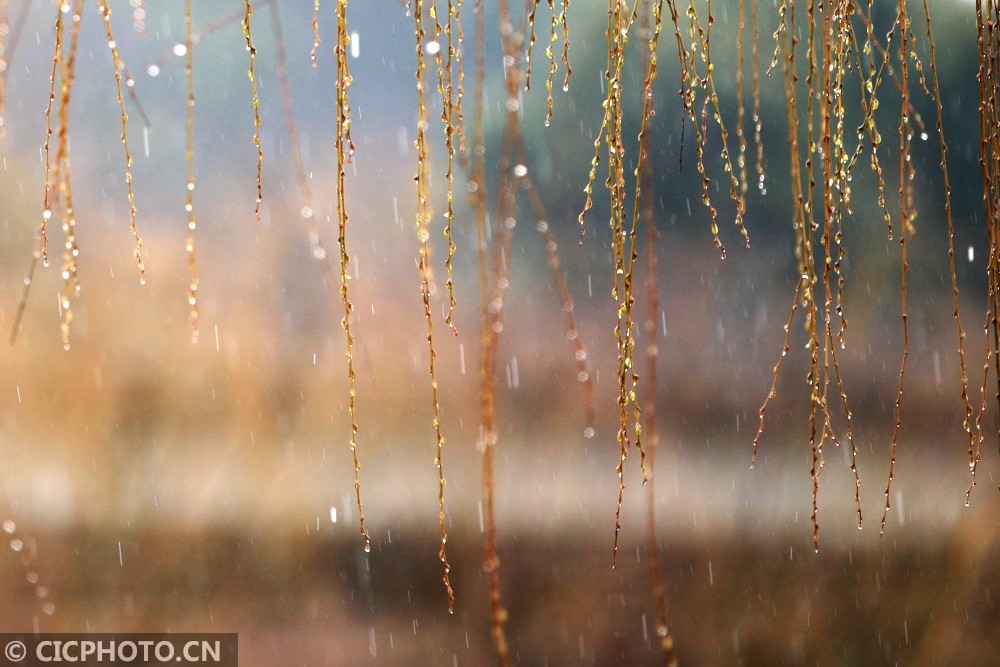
(459, 76)
(252, 74)
(71, 251)
(666, 640)
(967, 422)
(336, 280)
(822, 196)
(786, 40)
(691, 81)
(776, 371)
(344, 148)
(23, 545)
(905, 197)
(555, 19)
(741, 160)
(553, 61)
(478, 197)
(331, 277)
(15, 30)
(493, 309)
(987, 16)
(755, 58)
(447, 89)
(4, 32)
(315, 28)
(619, 23)
(102, 7)
(583, 373)
(138, 16)
(495, 282)
(531, 42)
(423, 234)
(232, 18)
(40, 252)
(192, 220)
(49, 184)
(565, 51)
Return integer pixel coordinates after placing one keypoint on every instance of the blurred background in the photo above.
(154, 485)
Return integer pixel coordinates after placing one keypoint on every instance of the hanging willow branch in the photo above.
(423, 235)
(344, 148)
(252, 74)
(645, 185)
(192, 220)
